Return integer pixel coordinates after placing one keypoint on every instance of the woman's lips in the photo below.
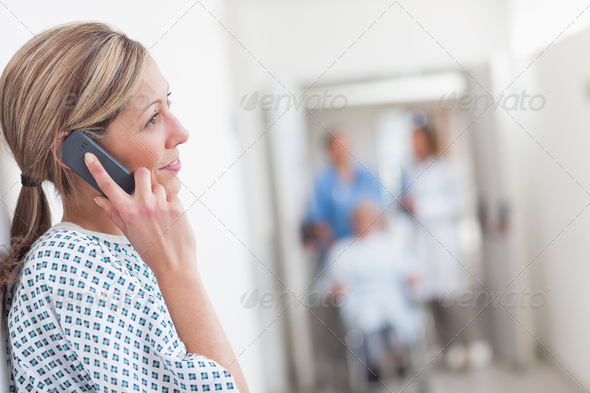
(174, 166)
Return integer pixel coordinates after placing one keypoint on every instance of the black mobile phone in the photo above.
(72, 154)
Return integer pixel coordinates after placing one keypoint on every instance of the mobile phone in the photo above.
(72, 154)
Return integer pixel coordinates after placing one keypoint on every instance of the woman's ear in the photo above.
(55, 147)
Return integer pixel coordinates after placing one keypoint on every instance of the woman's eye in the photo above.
(153, 120)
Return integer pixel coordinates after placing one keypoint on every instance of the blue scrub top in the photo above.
(335, 199)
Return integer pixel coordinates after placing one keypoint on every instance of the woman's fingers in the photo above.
(159, 191)
(110, 188)
(143, 183)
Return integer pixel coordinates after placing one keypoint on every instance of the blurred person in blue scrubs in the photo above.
(337, 191)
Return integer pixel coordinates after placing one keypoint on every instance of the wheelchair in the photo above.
(399, 366)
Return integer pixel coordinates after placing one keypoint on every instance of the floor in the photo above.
(543, 378)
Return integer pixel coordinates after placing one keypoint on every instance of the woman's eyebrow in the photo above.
(156, 101)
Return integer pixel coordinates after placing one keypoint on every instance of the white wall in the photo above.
(193, 57)
(551, 166)
(536, 24)
(298, 41)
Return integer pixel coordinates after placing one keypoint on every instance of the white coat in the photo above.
(436, 196)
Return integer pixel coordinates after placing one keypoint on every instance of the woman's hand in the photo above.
(154, 222)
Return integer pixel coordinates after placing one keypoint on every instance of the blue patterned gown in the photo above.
(87, 316)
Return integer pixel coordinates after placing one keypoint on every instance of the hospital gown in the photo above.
(87, 316)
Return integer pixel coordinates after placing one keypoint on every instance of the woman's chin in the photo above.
(173, 187)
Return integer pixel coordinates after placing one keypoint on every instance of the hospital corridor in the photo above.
(387, 196)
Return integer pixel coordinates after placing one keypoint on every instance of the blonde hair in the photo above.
(72, 76)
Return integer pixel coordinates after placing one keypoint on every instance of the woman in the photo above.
(99, 301)
(433, 197)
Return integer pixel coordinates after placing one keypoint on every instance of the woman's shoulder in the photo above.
(66, 249)
(55, 257)
(61, 240)
(66, 263)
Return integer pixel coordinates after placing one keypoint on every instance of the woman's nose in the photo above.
(178, 134)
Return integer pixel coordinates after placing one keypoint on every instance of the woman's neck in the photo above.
(85, 212)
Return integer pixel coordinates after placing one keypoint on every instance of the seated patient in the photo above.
(376, 274)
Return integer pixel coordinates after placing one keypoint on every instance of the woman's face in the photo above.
(146, 133)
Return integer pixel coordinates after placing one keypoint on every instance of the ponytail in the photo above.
(32, 218)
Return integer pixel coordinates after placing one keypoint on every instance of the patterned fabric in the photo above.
(88, 316)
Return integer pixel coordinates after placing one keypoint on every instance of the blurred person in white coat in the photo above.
(432, 195)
